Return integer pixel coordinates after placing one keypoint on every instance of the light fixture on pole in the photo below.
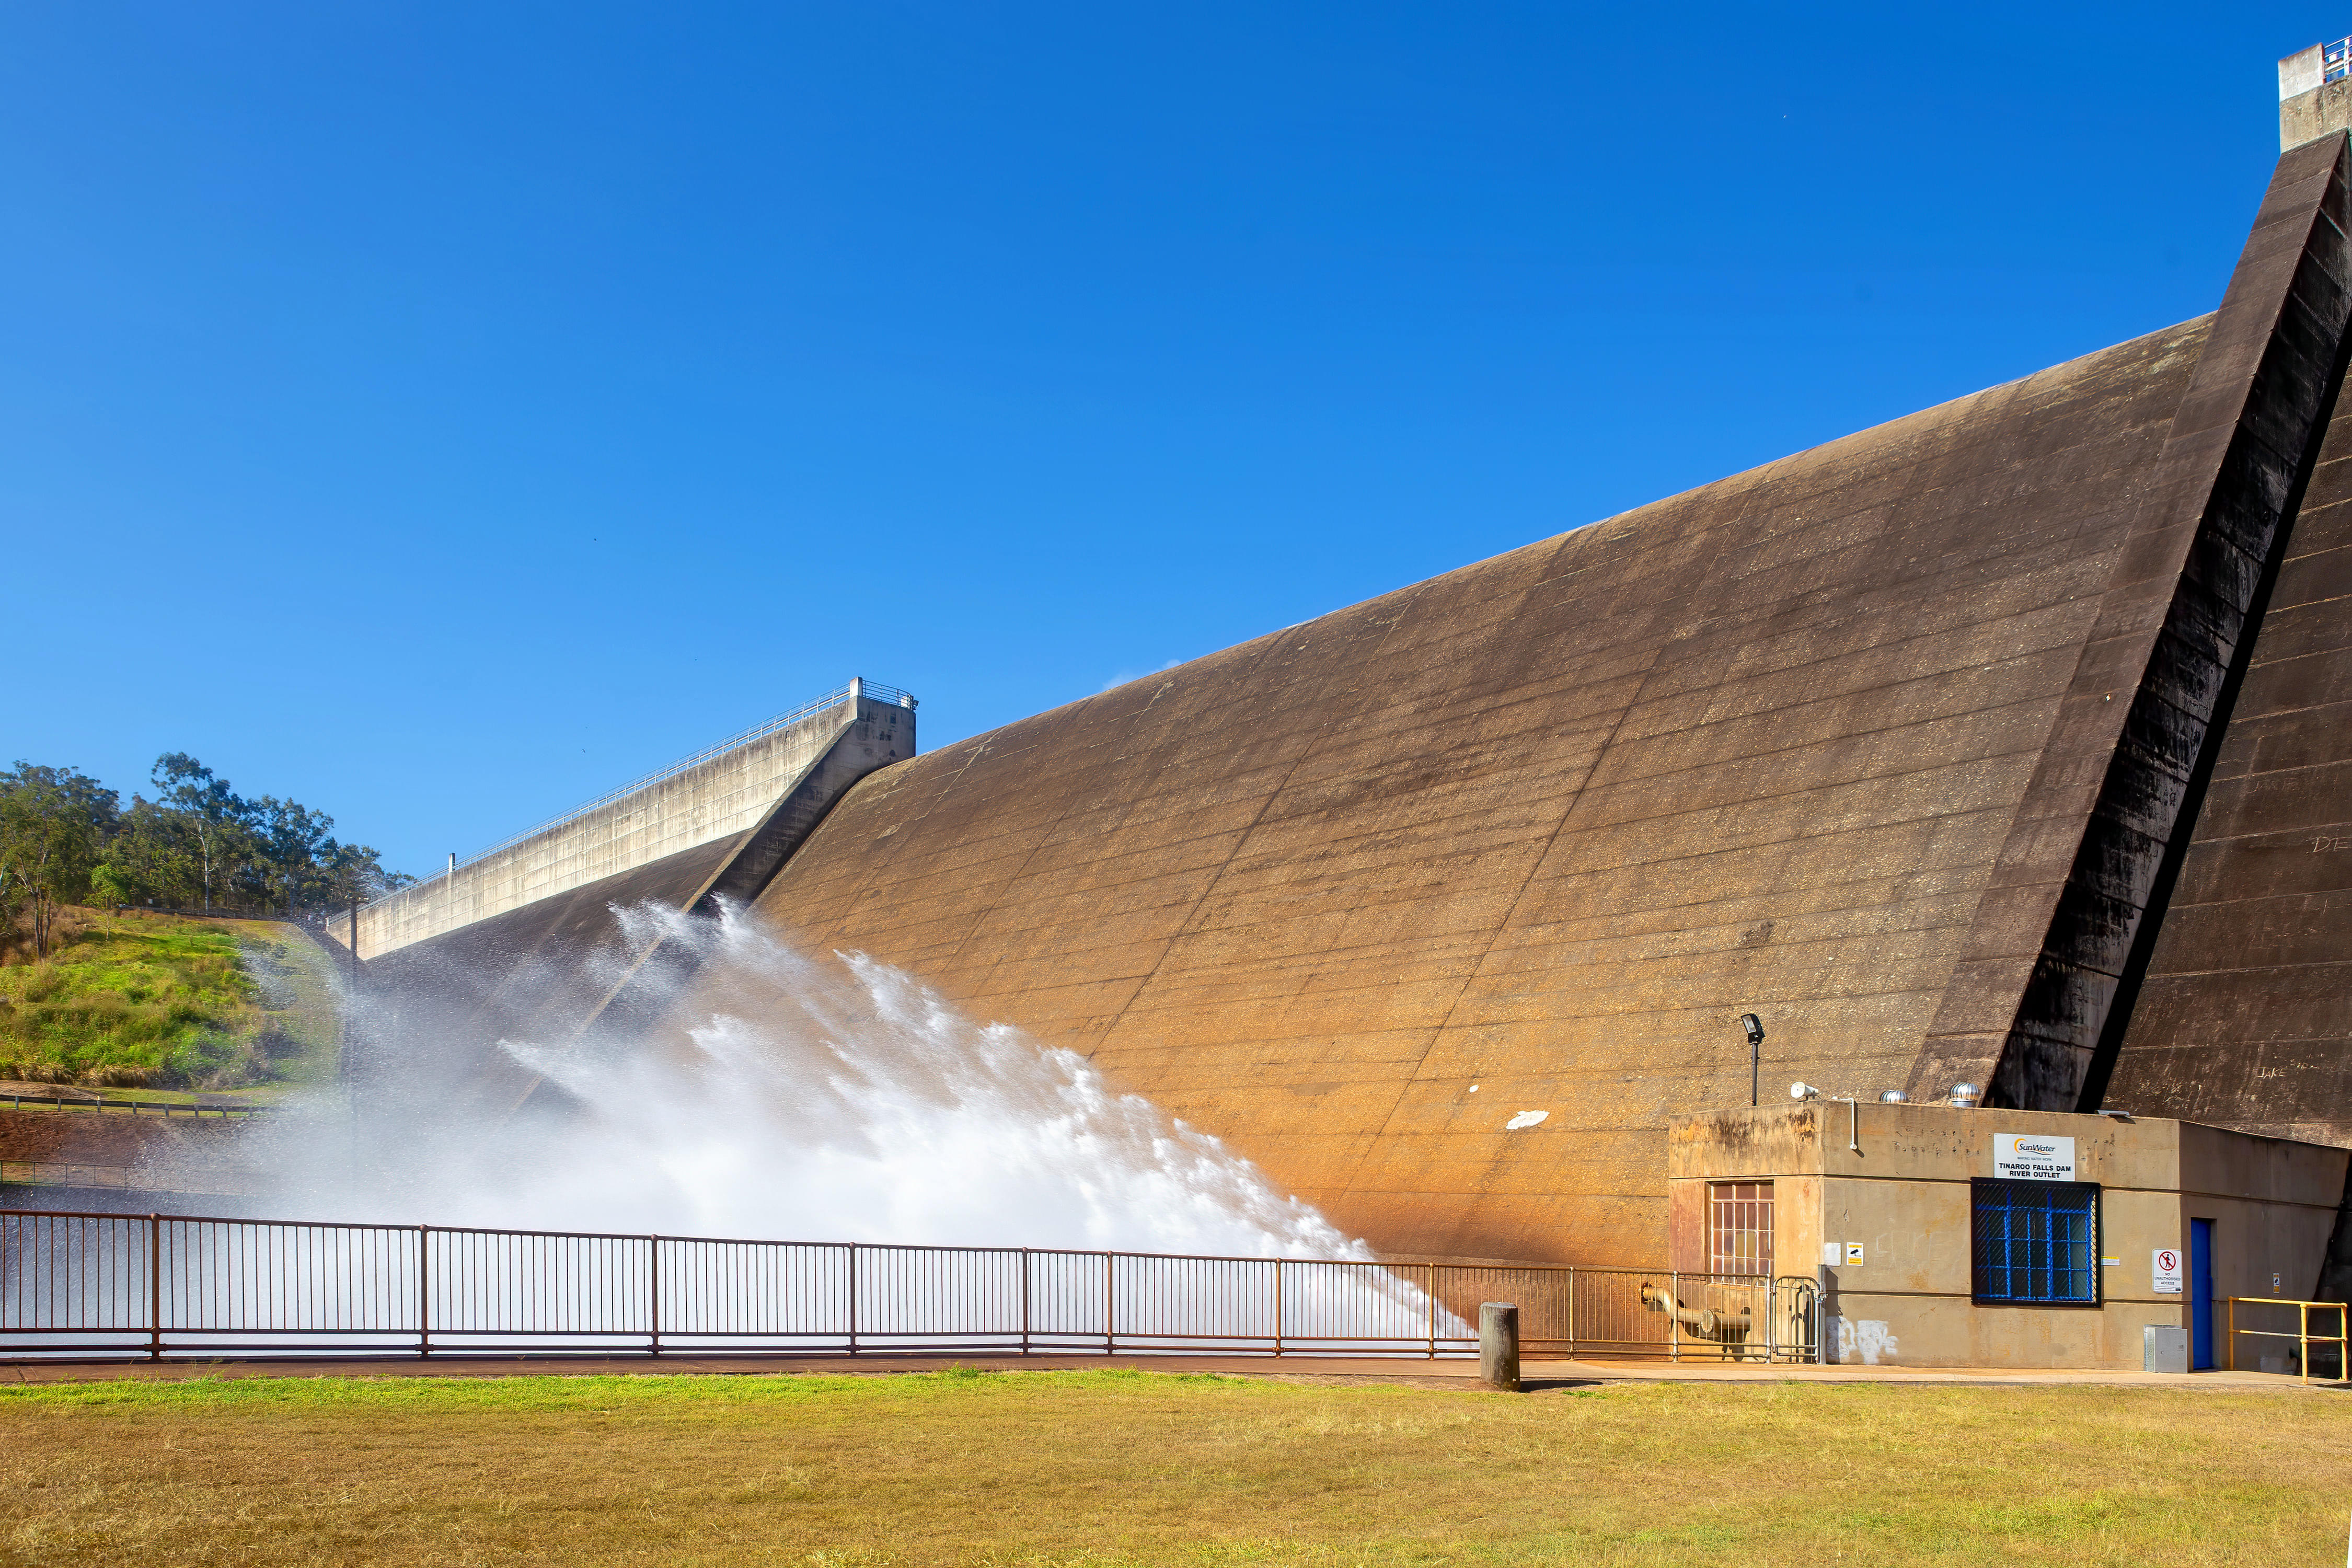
(1755, 1027)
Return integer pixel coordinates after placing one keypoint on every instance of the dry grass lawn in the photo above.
(1123, 1468)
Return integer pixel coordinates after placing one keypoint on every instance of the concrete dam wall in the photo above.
(1888, 741)
(2002, 744)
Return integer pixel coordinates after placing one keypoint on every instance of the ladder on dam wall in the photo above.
(729, 789)
(156, 1286)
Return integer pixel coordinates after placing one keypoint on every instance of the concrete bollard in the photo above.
(1498, 1346)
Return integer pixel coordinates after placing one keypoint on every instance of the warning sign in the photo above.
(2030, 1157)
(2168, 1271)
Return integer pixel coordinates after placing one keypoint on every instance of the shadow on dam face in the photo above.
(765, 1093)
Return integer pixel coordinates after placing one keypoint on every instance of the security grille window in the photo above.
(1740, 1227)
(2036, 1241)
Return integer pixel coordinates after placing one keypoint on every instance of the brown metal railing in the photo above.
(17, 1102)
(160, 1285)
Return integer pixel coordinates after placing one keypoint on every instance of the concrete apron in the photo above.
(1537, 1376)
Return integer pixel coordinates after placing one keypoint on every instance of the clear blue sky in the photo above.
(442, 413)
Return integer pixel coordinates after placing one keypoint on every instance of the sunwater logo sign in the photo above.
(2030, 1157)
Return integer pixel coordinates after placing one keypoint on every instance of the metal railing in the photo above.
(2303, 1336)
(135, 1107)
(196, 1182)
(159, 1285)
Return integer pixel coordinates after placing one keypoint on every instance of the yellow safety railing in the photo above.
(2303, 1336)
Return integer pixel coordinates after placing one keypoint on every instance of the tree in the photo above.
(355, 874)
(111, 886)
(153, 859)
(294, 851)
(208, 808)
(51, 820)
(198, 844)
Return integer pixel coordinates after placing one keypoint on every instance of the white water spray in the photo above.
(835, 1099)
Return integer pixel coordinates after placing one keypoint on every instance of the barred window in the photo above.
(1740, 1227)
(2036, 1241)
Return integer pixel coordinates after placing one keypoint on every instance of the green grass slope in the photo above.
(1103, 1469)
(164, 1003)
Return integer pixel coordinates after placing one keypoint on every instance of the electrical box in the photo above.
(2165, 1349)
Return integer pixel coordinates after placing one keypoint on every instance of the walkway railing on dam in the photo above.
(157, 1286)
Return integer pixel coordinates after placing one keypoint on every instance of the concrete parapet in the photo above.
(2314, 93)
(726, 791)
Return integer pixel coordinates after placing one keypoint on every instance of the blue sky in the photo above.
(443, 413)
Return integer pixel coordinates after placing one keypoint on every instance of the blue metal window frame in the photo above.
(2034, 1244)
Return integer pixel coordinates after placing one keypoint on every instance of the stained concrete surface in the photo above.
(1886, 742)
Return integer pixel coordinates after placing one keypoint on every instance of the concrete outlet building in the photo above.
(1969, 1238)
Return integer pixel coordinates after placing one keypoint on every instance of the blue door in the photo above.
(2200, 1295)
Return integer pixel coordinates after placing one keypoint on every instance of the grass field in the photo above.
(1105, 1467)
(151, 1002)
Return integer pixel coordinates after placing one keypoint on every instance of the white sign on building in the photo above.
(2168, 1271)
(2030, 1157)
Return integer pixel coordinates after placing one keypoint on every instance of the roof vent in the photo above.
(1966, 1096)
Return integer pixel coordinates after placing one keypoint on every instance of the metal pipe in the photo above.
(1852, 1124)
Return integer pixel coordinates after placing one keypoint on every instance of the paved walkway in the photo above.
(1537, 1376)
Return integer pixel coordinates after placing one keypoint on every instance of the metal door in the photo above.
(2200, 1295)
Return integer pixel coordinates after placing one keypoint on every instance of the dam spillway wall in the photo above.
(1439, 907)
(430, 1012)
(1961, 749)
(714, 797)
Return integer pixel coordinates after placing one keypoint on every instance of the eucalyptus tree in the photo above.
(52, 822)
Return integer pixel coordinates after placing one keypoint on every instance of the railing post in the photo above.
(424, 1294)
(1571, 1314)
(1025, 1300)
(154, 1287)
(1429, 1280)
(1673, 1316)
(1110, 1304)
(1277, 1309)
(852, 1298)
(653, 1319)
